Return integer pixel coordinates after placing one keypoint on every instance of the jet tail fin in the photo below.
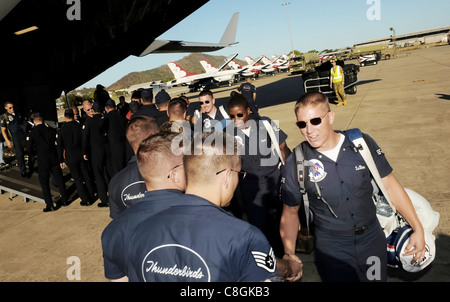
(178, 71)
(229, 36)
(208, 67)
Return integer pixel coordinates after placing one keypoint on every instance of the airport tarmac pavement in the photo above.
(403, 103)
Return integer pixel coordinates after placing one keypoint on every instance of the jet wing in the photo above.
(171, 46)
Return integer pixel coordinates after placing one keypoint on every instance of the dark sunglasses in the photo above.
(315, 121)
(206, 102)
(232, 116)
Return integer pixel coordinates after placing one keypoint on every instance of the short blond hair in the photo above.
(155, 157)
(311, 98)
(139, 128)
(215, 151)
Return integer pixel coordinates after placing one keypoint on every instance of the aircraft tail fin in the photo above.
(178, 71)
(249, 60)
(266, 60)
(229, 36)
(208, 67)
(235, 65)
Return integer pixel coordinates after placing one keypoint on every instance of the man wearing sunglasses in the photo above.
(210, 113)
(260, 159)
(339, 190)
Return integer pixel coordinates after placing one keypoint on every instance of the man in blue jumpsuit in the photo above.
(347, 230)
(95, 149)
(165, 186)
(248, 90)
(210, 113)
(14, 135)
(260, 189)
(197, 240)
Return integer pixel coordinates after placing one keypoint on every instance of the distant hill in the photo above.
(163, 73)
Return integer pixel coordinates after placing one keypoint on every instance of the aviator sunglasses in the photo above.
(206, 102)
(315, 121)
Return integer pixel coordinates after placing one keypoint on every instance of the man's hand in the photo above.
(416, 247)
(10, 144)
(290, 268)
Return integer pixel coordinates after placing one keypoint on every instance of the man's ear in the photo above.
(332, 115)
(226, 178)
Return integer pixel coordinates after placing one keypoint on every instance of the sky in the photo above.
(263, 27)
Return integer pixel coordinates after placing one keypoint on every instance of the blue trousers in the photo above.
(355, 258)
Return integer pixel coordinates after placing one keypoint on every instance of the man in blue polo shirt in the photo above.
(127, 187)
(261, 160)
(347, 230)
(197, 240)
(165, 185)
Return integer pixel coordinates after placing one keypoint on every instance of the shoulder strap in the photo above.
(224, 113)
(301, 173)
(273, 139)
(361, 146)
(302, 167)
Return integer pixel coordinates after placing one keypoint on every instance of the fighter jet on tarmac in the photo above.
(265, 68)
(250, 70)
(199, 81)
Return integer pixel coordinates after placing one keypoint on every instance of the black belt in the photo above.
(353, 232)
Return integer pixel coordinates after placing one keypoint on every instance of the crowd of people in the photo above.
(211, 194)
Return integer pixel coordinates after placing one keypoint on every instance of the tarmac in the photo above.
(403, 103)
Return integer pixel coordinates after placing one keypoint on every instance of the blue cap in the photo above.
(96, 106)
(37, 114)
(111, 103)
(162, 97)
(134, 104)
(147, 93)
(68, 113)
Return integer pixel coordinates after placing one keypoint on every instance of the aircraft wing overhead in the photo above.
(174, 46)
(73, 42)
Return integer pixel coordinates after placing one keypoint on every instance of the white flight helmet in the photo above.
(397, 243)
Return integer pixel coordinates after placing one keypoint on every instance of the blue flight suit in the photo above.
(261, 187)
(209, 122)
(197, 241)
(14, 124)
(247, 90)
(343, 243)
(125, 188)
(116, 236)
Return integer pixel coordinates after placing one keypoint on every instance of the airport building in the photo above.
(436, 35)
